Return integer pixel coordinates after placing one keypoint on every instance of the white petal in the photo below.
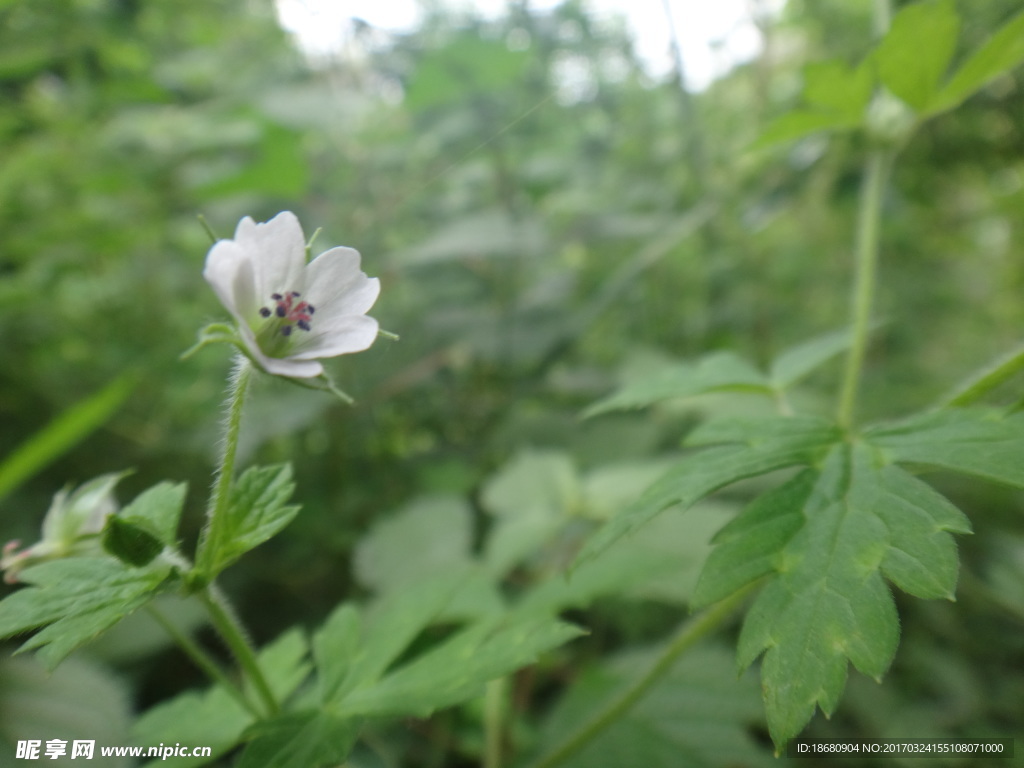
(278, 252)
(334, 277)
(352, 333)
(292, 367)
(229, 272)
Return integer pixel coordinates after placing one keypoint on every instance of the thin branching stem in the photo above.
(876, 173)
(230, 629)
(202, 659)
(691, 632)
(985, 380)
(495, 704)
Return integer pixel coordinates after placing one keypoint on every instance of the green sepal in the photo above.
(131, 542)
(216, 333)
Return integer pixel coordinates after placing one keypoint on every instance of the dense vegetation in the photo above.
(585, 265)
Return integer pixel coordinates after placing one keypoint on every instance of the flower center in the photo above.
(288, 312)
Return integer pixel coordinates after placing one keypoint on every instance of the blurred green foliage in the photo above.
(548, 221)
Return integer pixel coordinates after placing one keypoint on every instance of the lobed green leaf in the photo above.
(74, 600)
(309, 739)
(754, 447)
(459, 668)
(915, 53)
(388, 628)
(211, 718)
(797, 362)
(828, 604)
(257, 510)
(972, 441)
(835, 87)
(998, 55)
(717, 372)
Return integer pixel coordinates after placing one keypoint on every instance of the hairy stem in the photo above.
(230, 629)
(217, 511)
(689, 634)
(876, 173)
(202, 659)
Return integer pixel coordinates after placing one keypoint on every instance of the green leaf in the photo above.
(210, 718)
(61, 434)
(828, 605)
(659, 562)
(797, 362)
(300, 740)
(284, 663)
(1001, 53)
(459, 668)
(158, 510)
(391, 625)
(257, 510)
(334, 647)
(82, 700)
(836, 96)
(427, 534)
(717, 372)
(75, 600)
(531, 497)
(275, 167)
(802, 122)
(468, 65)
(757, 446)
(213, 718)
(972, 441)
(835, 87)
(915, 53)
(697, 714)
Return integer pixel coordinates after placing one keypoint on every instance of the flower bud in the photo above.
(71, 526)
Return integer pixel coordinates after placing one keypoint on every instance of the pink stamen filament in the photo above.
(286, 308)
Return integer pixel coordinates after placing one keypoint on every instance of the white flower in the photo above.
(290, 313)
(71, 526)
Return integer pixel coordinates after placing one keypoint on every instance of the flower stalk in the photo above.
(216, 517)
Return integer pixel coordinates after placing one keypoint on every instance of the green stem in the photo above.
(985, 380)
(876, 173)
(202, 659)
(495, 699)
(216, 519)
(227, 624)
(691, 632)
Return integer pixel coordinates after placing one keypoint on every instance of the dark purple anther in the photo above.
(303, 325)
(264, 312)
(276, 296)
(281, 311)
(287, 330)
